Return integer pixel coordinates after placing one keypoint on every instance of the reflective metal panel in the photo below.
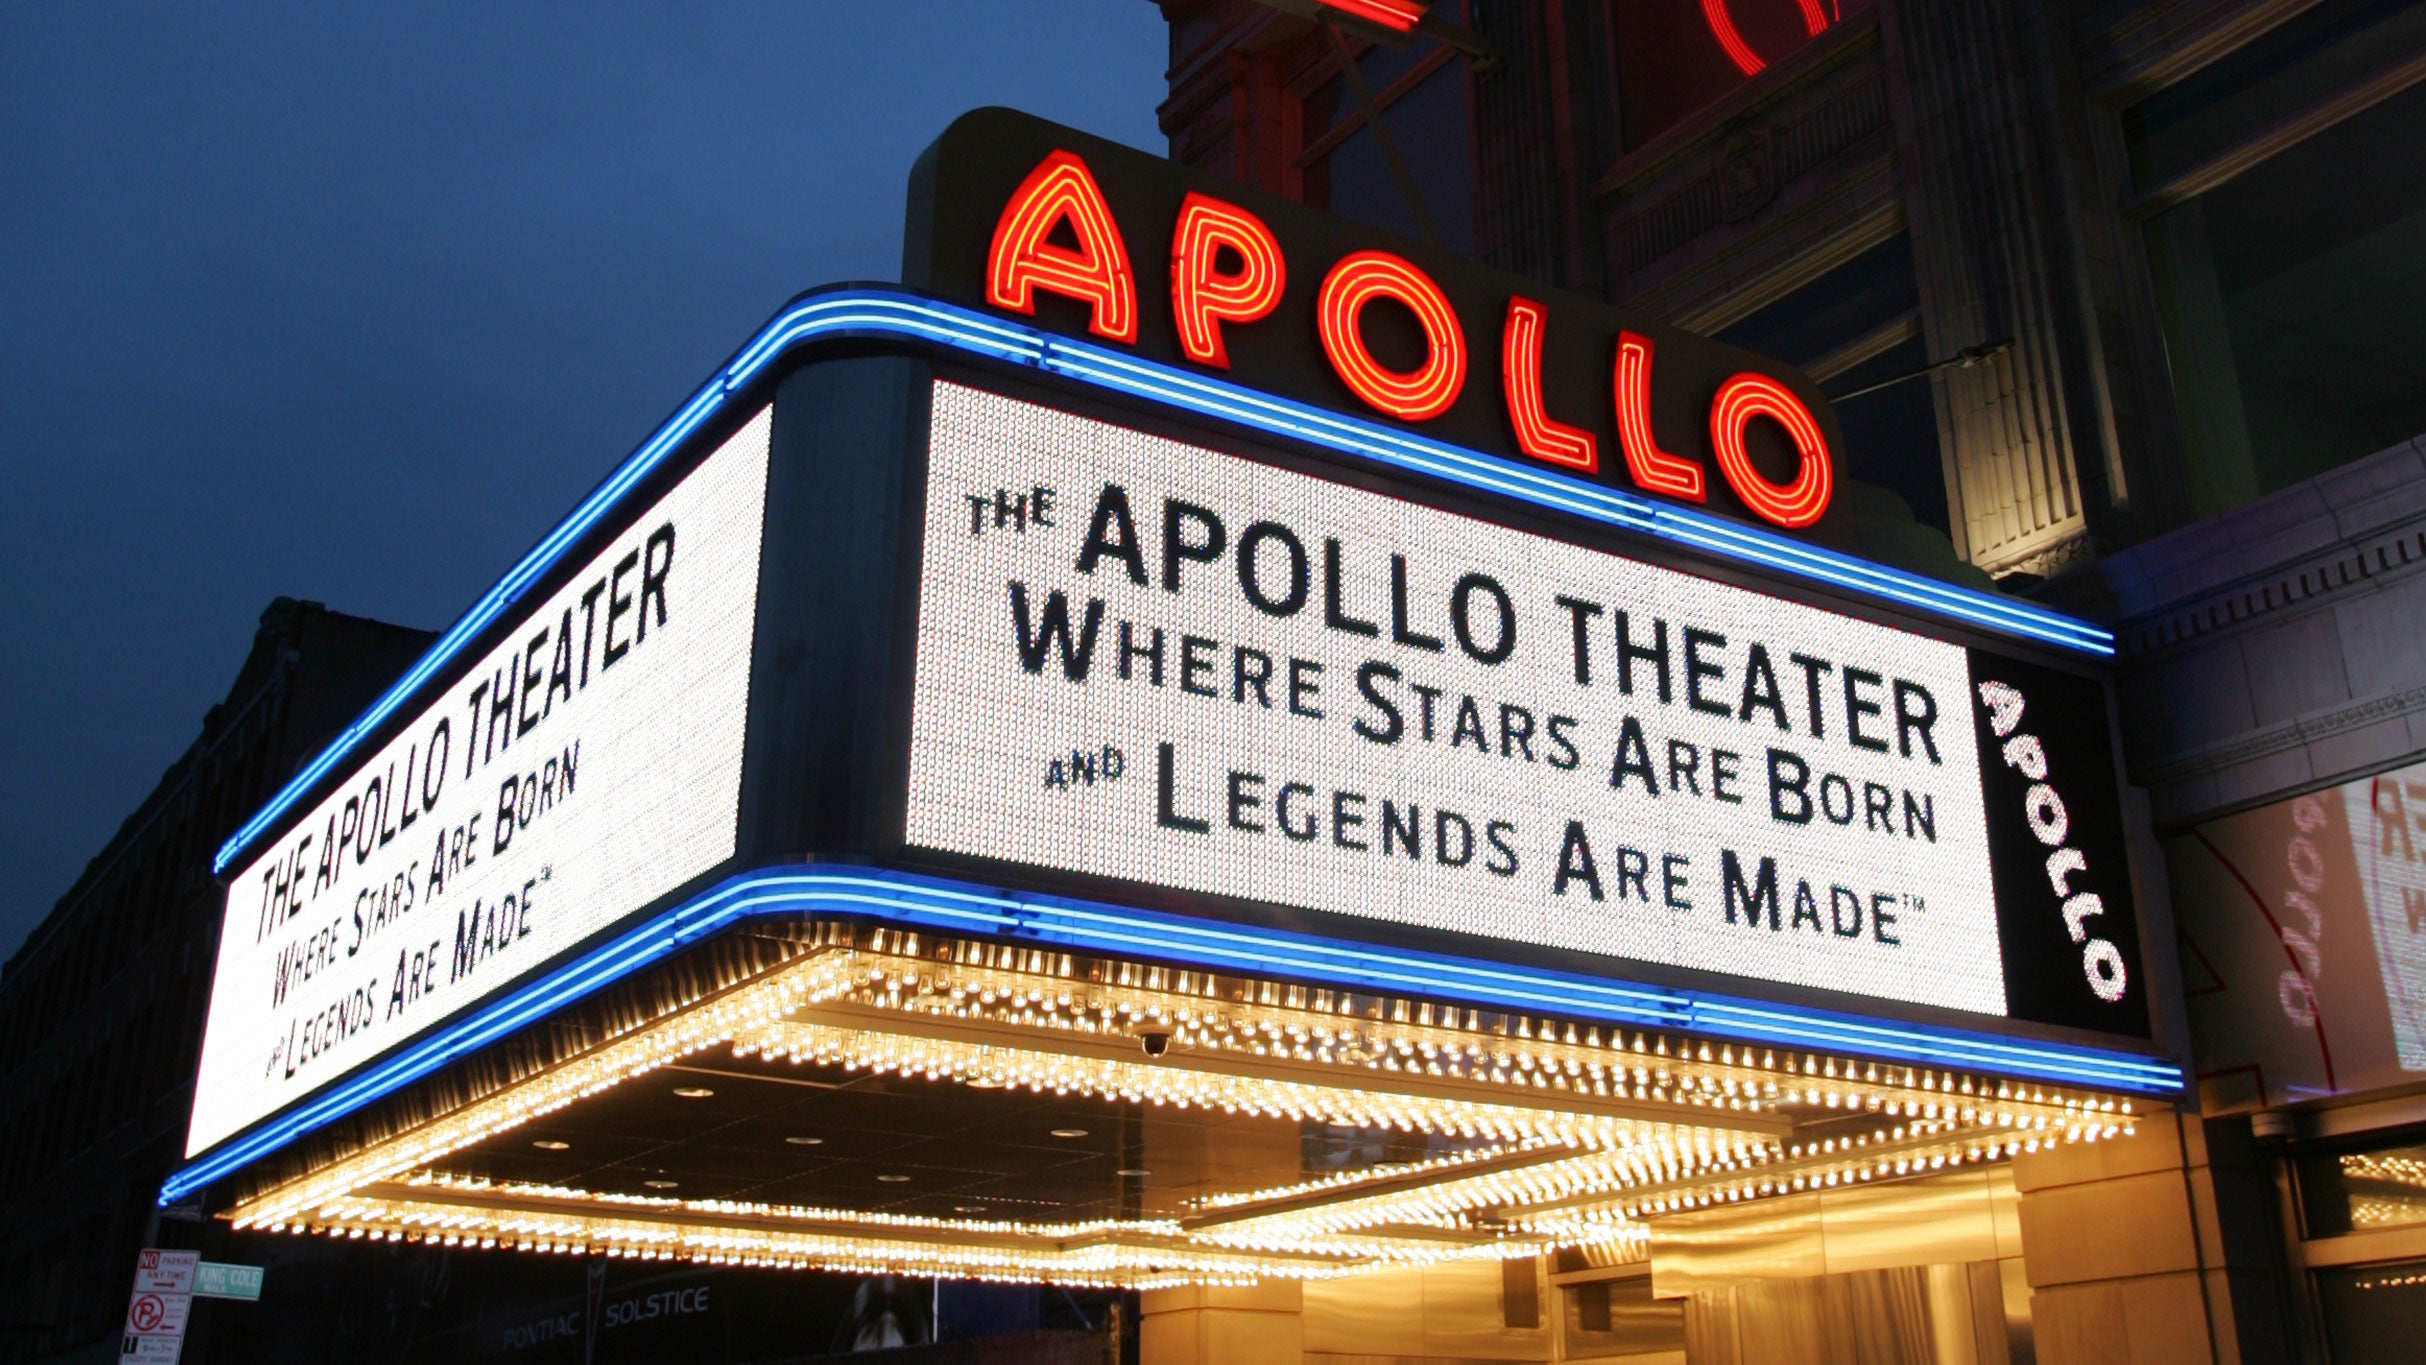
(1935, 1220)
(1464, 1315)
(1946, 1219)
(1381, 1313)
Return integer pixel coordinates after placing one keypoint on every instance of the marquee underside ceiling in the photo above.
(875, 1100)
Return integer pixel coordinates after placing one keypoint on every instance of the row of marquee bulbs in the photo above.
(1581, 1060)
(874, 1242)
(1601, 1174)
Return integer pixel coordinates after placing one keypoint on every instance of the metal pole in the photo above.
(1963, 359)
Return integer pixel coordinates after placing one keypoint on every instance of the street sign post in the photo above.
(156, 1311)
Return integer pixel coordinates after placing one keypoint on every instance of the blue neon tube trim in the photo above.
(908, 900)
(879, 313)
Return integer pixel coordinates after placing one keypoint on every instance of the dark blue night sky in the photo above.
(351, 302)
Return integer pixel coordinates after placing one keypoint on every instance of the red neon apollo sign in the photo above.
(1720, 16)
(1057, 234)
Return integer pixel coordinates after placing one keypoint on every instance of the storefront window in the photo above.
(2364, 1190)
(2287, 246)
(1675, 56)
(2303, 929)
(2373, 1313)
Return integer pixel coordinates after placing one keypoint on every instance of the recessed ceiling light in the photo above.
(806, 1141)
(692, 1092)
(661, 1184)
(894, 1179)
(550, 1145)
(1069, 1132)
(1134, 1171)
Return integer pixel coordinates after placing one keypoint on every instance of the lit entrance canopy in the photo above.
(971, 795)
(877, 1099)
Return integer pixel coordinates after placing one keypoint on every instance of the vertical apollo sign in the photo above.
(588, 764)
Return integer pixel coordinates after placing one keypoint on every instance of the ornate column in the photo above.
(1989, 246)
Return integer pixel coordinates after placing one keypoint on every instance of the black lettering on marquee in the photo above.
(1915, 710)
(1748, 897)
(618, 603)
(1244, 802)
(1579, 618)
(1177, 545)
(1575, 863)
(1633, 758)
(1500, 835)
(1242, 677)
(1113, 531)
(1250, 580)
(1054, 631)
(1166, 813)
(657, 560)
(1812, 669)
(1857, 706)
(1461, 623)
(1397, 833)
(1392, 724)
(1401, 632)
(1789, 788)
(1335, 611)
(1654, 653)
(1131, 651)
(1760, 689)
(1698, 668)
(1443, 822)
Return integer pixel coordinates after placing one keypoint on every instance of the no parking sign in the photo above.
(156, 1312)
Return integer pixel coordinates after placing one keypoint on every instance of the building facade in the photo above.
(102, 1014)
(1718, 681)
(101, 1007)
(2111, 296)
(1129, 772)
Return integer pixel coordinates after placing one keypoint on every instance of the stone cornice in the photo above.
(2244, 603)
(2359, 526)
(2292, 734)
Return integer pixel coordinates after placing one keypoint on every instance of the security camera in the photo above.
(1156, 1044)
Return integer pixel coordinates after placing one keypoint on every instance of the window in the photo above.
(1676, 56)
(1422, 97)
(1852, 328)
(2373, 1313)
(2283, 210)
(2364, 1189)
(2303, 925)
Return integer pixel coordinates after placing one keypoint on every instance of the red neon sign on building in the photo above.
(1061, 190)
(1229, 270)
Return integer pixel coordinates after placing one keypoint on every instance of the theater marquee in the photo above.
(589, 763)
(1147, 660)
(1175, 592)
